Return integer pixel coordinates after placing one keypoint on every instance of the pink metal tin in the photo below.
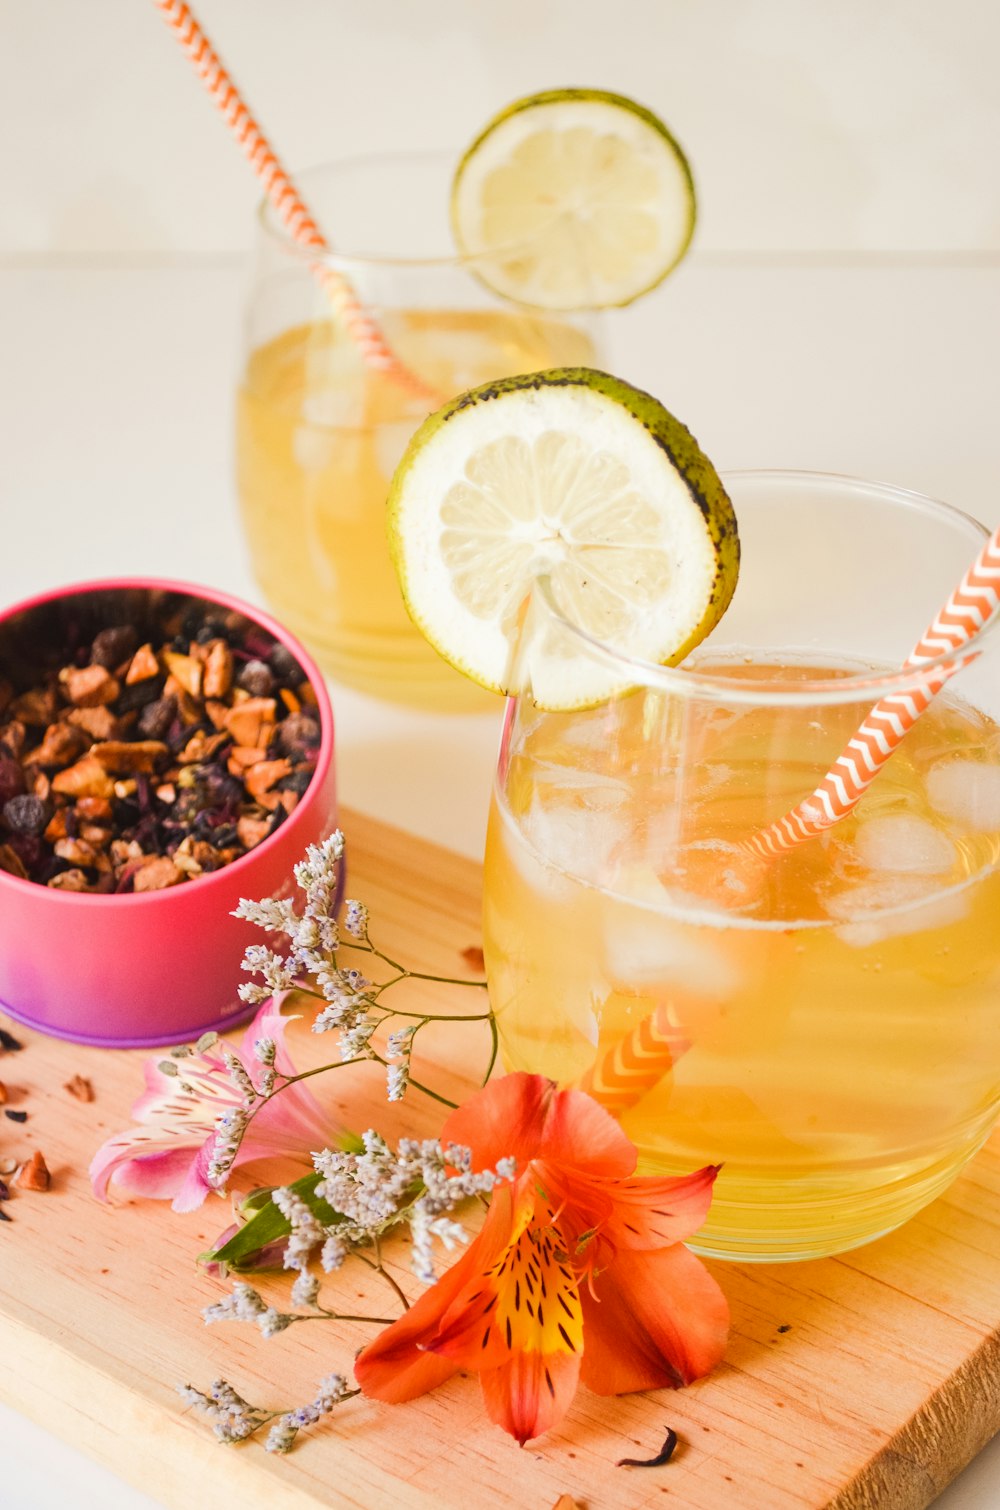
(159, 967)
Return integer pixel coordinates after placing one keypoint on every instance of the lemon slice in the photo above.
(577, 480)
(573, 199)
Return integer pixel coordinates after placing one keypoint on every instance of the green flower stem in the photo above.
(322, 1314)
(376, 1264)
(495, 1048)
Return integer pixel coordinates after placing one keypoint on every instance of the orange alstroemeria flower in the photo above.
(579, 1273)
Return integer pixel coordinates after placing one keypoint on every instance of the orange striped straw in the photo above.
(621, 1077)
(285, 197)
(628, 1071)
(971, 605)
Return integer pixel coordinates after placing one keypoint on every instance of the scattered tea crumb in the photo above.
(34, 1175)
(565, 1502)
(473, 957)
(3, 1094)
(784, 1327)
(9, 1043)
(80, 1087)
(663, 1456)
(4, 1191)
(15, 1116)
(4, 1217)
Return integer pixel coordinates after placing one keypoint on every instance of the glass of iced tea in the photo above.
(829, 1034)
(319, 433)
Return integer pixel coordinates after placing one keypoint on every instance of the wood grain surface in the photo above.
(861, 1383)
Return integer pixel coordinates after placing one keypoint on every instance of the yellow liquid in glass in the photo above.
(844, 1026)
(319, 436)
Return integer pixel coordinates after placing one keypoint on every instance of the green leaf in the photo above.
(268, 1225)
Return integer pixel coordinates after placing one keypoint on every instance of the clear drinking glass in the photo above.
(319, 433)
(831, 1036)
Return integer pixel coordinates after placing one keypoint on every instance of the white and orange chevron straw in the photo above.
(637, 1062)
(284, 196)
(971, 605)
(629, 1070)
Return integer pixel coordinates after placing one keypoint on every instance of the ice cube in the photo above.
(646, 947)
(574, 841)
(966, 792)
(313, 448)
(904, 845)
(888, 906)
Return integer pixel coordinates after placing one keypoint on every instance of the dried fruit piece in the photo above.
(217, 677)
(185, 670)
(142, 666)
(99, 723)
(128, 756)
(26, 815)
(34, 1175)
(80, 1088)
(69, 880)
(156, 875)
(89, 686)
(87, 778)
(251, 722)
(114, 645)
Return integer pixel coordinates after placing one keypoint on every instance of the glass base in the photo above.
(791, 1231)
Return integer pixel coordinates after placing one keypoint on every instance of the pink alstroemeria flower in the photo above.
(168, 1154)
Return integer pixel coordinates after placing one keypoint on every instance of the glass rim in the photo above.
(687, 681)
(346, 261)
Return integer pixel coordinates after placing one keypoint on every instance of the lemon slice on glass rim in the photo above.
(573, 199)
(576, 479)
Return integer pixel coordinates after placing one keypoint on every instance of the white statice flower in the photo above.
(307, 1232)
(276, 915)
(229, 1130)
(305, 1290)
(354, 1042)
(278, 973)
(397, 1078)
(250, 992)
(356, 919)
(281, 1437)
(273, 1321)
(375, 1190)
(243, 1304)
(399, 1043)
(237, 1073)
(333, 1253)
(265, 1050)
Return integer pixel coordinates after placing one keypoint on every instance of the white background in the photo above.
(840, 311)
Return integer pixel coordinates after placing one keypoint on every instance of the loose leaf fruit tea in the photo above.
(146, 738)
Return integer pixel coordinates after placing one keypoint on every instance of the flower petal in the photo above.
(397, 1365)
(647, 1213)
(526, 1297)
(158, 1175)
(525, 1117)
(178, 1113)
(531, 1392)
(659, 1319)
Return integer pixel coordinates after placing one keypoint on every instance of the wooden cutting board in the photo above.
(864, 1381)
